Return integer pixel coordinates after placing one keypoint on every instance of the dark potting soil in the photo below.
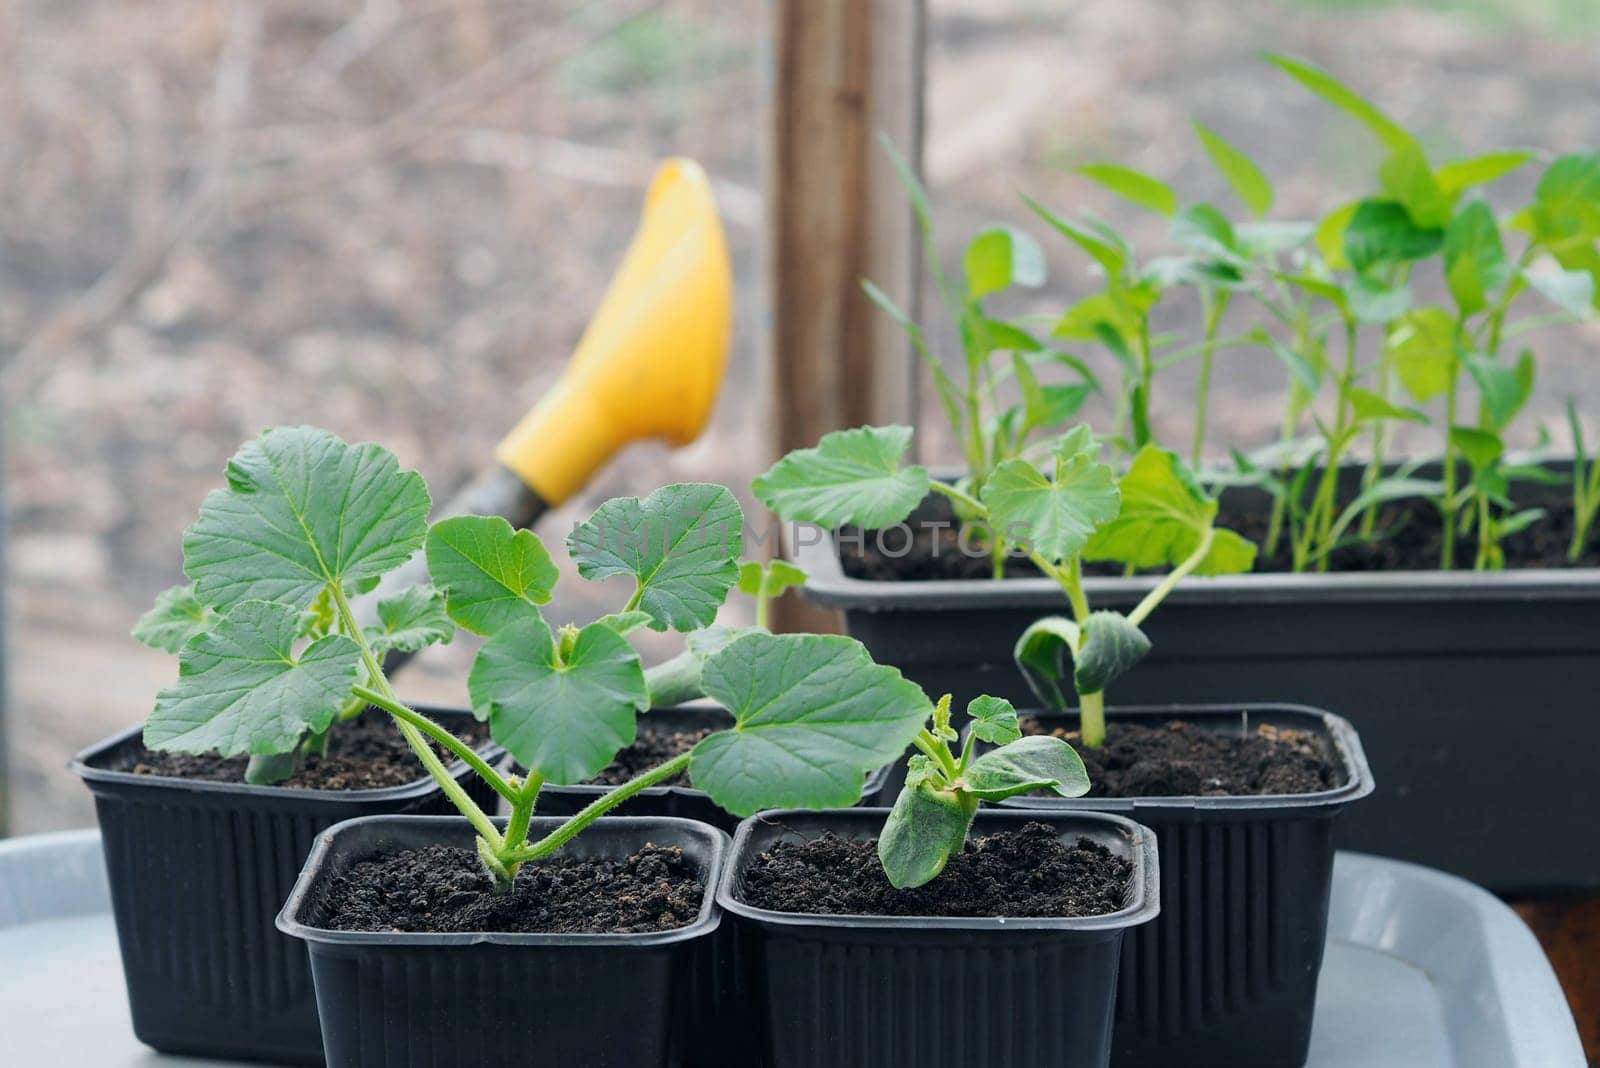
(1410, 537)
(1178, 759)
(1026, 872)
(367, 753)
(651, 749)
(442, 889)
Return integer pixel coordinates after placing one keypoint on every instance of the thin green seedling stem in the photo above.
(1215, 307)
(414, 737)
(595, 809)
(1320, 522)
(939, 753)
(458, 749)
(1189, 352)
(1447, 553)
(1485, 535)
(1153, 599)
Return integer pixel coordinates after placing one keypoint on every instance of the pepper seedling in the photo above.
(931, 817)
(274, 654)
(1155, 515)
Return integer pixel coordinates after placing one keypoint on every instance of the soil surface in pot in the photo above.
(443, 889)
(367, 753)
(1178, 759)
(1410, 539)
(1025, 872)
(651, 749)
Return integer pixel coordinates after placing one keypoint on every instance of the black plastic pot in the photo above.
(1226, 977)
(881, 991)
(601, 1001)
(198, 871)
(1455, 679)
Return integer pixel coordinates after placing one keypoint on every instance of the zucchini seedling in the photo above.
(277, 657)
(931, 817)
(1074, 510)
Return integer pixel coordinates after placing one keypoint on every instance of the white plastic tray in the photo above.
(1422, 970)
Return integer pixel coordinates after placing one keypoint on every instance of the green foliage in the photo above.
(852, 476)
(492, 575)
(177, 616)
(934, 811)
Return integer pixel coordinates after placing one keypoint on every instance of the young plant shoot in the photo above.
(931, 817)
(271, 655)
(1074, 509)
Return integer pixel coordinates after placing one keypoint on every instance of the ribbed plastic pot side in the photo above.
(470, 999)
(858, 991)
(1227, 975)
(197, 872)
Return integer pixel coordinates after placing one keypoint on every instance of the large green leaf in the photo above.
(1038, 762)
(242, 688)
(492, 575)
(1052, 516)
(1132, 185)
(410, 621)
(813, 714)
(924, 830)
(1381, 232)
(1000, 257)
(177, 616)
(1110, 646)
(1249, 184)
(1164, 516)
(563, 716)
(1422, 349)
(303, 510)
(681, 544)
(852, 476)
(1475, 263)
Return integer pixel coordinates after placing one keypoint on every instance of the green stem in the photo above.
(1323, 507)
(972, 503)
(674, 681)
(763, 597)
(414, 738)
(1213, 321)
(939, 753)
(1447, 555)
(1485, 535)
(594, 810)
(1092, 719)
(1154, 598)
(1380, 446)
(458, 748)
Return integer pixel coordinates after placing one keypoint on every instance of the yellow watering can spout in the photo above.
(650, 362)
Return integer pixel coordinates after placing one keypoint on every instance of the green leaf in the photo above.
(1025, 765)
(994, 720)
(681, 544)
(628, 622)
(1164, 515)
(1571, 291)
(1053, 517)
(1381, 232)
(1371, 302)
(1111, 645)
(1038, 654)
(1267, 237)
(1481, 448)
(492, 575)
(999, 257)
(1336, 93)
(1475, 263)
(1307, 373)
(1132, 185)
(777, 576)
(1504, 390)
(1462, 174)
(813, 714)
(1422, 349)
(1249, 184)
(410, 621)
(851, 477)
(1406, 177)
(921, 769)
(1207, 231)
(1566, 202)
(242, 689)
(1366, 405)
(303, 510)
(1109, 256)
(565, 718)
(924, 830)
(177, 616)
(1329, 236)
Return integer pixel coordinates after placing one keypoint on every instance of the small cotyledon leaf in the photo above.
(303, 510)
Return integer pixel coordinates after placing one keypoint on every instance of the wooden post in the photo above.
(842, 71)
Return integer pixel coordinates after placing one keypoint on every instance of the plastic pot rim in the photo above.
(1144, 902)
(448, 828)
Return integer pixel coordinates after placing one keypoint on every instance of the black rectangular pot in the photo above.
(880, 991)
(443, 1000)
(1226, 977)
(1455, 679)
(198, 871)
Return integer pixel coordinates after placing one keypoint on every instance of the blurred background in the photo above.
(392, 219)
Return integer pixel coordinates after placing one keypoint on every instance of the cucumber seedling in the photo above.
(274, 656)
(930, 819)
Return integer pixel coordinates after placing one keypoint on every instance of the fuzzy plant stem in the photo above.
(595, 809)
(1215, 307)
